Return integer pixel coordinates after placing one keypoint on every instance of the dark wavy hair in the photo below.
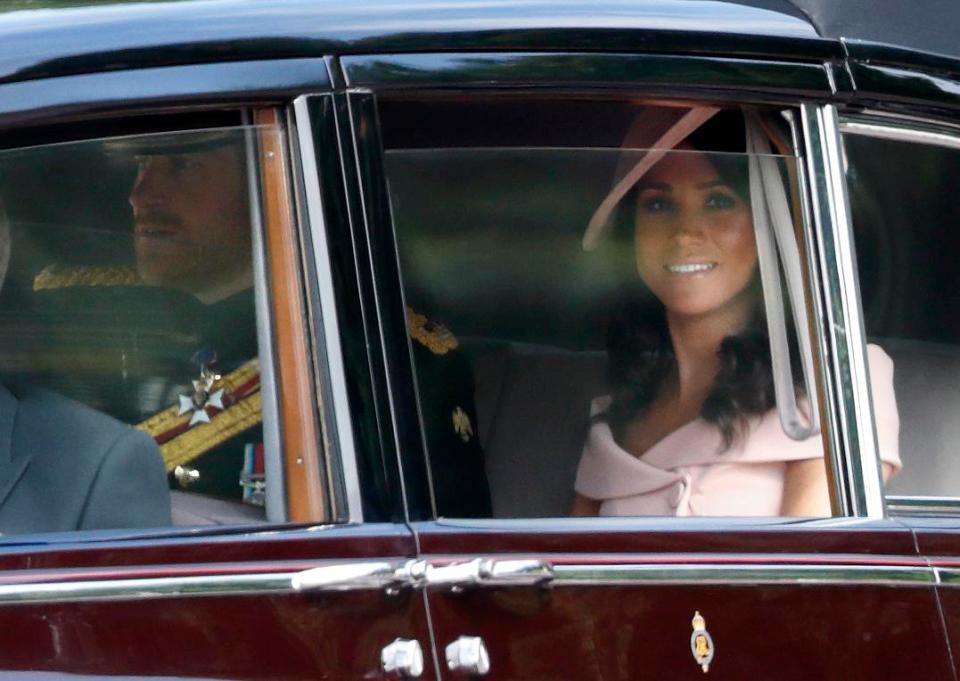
(640, 358)
(639, 350)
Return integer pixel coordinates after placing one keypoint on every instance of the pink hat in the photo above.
(656, 130)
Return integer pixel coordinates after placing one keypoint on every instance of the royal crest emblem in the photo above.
(701, 643)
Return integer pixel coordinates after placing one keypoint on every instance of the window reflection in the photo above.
(130, 298)
(629, 362)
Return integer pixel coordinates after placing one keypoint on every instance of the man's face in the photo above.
(192, 219)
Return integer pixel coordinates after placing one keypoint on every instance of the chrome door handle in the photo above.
(353, 576)
(402, 659)
(468, 655)
(484, 572)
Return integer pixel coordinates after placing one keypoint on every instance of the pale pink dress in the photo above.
(687, 473)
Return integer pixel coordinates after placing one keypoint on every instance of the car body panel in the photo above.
(601, 624)
(155, 607)
(622, 600)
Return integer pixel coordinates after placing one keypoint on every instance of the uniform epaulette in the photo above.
(435, 337)
(62, 276)
(183, 438)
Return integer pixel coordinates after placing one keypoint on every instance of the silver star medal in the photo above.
(201, 398)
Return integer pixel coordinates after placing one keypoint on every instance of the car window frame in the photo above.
(847, 423)
(914, 129)
(269, 87)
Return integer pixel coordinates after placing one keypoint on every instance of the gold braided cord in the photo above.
(435, 337)
(170, 418)
(60, 276)
(204, 437)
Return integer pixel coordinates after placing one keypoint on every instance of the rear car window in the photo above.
(129, 352)
(561, 262)
(904, 218)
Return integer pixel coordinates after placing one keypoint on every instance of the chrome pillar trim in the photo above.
(829, 427)
(275, 492)
(856, 460)
(144, 589)
(340, 442)
(685, 573)
(890, 130)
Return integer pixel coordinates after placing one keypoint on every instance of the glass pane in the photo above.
(627, 363)
(904, 217)
(129, 347)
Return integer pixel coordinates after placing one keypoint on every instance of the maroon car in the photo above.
(368, 340)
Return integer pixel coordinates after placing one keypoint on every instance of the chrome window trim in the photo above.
(918, 505)
(643, 525)
(856, 458)
(915, 132)
(829, 428)
(275, 498)
(339, 445)
(715, 573)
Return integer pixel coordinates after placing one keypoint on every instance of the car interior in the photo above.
(76, 318)
(530, 306)
(489, 234)
(904, 218)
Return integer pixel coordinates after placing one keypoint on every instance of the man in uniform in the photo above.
(192, 233)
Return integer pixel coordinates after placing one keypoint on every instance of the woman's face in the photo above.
(694, 240)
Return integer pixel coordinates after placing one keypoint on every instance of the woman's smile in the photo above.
(687, 269)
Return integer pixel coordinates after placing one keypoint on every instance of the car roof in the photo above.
(928, 26)
(48, 38)
(43, 38)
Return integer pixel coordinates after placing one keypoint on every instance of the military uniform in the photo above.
(202, 403)
(445, 383)
(196, 390)
(212, 438)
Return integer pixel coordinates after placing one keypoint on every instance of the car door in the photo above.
(903, 216)
(296, 570)
(474, 169)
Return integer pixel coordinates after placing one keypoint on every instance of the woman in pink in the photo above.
(691, 427)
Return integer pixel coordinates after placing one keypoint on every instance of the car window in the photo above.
(592, 288)
(901, 180)
(130, 362)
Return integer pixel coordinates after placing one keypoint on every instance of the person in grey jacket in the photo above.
(65, 466)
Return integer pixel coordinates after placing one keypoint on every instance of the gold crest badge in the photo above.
(701, 643)
(462, 425)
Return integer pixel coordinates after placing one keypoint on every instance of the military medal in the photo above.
(203, 396)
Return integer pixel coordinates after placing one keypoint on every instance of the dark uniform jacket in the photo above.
(455, 456)
(228, 334)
